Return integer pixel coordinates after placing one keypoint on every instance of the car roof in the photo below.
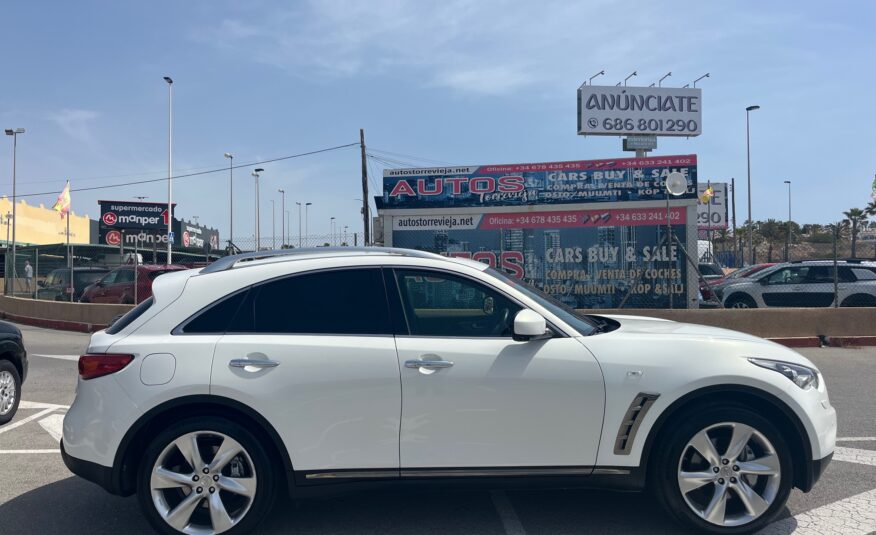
(288, 255)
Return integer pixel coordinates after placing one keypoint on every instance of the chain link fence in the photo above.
(268, 243)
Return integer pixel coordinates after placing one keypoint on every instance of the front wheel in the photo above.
(206, 476)
(740, 301)
(723, 470)
(10, 387)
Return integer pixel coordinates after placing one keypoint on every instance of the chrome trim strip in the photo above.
(610, 472)
(498, 472)
(358, 474)
(632, 419)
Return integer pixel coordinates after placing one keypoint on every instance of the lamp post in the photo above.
(748, 111)
(634, 73)
(345, 236)
(273, 226)
(230, 197)
(299, 224)
(700, 78)
(258, 234)
(333, 230)
(665, 76)
(306, 226)
(286, 213)
(14, 133)
(282, 218)
(788, 245)
(600, 73)
(169, 167)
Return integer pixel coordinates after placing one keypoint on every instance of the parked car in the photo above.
(313, 371)
(710, 270)
(803, 284)
(707, 288)
(57, 285)
(13, 370)
(118, 286)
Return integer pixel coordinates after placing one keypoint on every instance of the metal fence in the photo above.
(339, 239)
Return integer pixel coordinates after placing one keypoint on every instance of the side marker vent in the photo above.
(632, 419)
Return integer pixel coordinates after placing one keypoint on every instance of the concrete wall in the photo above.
(85, 317)
(773, 322)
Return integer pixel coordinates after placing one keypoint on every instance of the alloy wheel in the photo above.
(729, 474)
(7, 392)
(203, 483)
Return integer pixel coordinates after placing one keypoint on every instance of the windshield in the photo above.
(575, 319)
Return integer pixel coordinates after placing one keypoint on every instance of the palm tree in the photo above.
(771, 231)
(855, 217)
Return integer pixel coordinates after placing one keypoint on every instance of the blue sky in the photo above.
(457, 81)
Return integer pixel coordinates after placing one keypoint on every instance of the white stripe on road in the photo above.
(507, 514)
(855, 455)
(10, 452)
(62, 357)
(54, 425)
(853, 516)
(856, 439)
(19, 423)
(38, 405)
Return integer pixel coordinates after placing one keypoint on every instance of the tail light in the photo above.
(91, 366)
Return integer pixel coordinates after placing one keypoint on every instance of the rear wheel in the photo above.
(10, 388)
(206, 476)
(859, 300)
(723, 469)
(740, 301)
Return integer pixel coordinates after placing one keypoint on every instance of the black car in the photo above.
(13, 370)
(56, 287)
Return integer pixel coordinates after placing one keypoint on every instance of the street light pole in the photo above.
(288, 219)
(306, 219)
(273, 226)
(282, 218)
(14, 133)
(748, 111)
(230, 198)
(333, 230)
(258, 228)
(299, 224)
(169, 167)
(788, 246)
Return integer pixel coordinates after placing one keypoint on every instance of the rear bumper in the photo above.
(96, 473)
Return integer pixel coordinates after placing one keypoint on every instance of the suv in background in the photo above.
(57, 286)
(118, 286)
(804, 284)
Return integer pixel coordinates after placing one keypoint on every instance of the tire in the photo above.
(10, 391)
(245, 507)
(859, 300)
(767, 494)
(740, 300)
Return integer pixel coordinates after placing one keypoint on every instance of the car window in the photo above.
(819, 274)
(439, 304)
(110, 277)
(789, 275)
(216, 317)
(710, 269)
(862, 274)
(86, 278)
(50, 280)
(348, 301)
(124, 275)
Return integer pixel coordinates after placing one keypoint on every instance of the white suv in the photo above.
(303, 371)
(804, 284)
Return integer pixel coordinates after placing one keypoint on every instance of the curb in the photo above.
(62, 325)
(798, 341)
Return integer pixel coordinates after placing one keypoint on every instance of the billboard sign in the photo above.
(197, 237)
(591, 181)
(622, 110)
(133, 215)
(585, 258)
(712, 215)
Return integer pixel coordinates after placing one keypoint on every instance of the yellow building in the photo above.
(40, 225)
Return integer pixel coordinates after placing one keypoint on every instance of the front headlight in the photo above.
(802, 376)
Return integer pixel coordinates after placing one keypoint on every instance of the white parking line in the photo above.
(853, 516)
(507, 514)
(855, 455)
(9, 452)
(19, 423)
(38, 405)
(62, 357)
(856, 439)
(54, 425)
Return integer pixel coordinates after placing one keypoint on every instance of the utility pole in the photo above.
(735, 238)
(282, 218)
(169, 167)
(365, 216)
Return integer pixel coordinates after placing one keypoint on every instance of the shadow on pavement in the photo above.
(73, 506)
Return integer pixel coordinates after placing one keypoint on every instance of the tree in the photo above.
(855, 217)
(772, 231)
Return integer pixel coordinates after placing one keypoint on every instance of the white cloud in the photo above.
(76, 123)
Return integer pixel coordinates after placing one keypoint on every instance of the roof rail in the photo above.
(229, 262)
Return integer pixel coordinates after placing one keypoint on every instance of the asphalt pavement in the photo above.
(39, 495)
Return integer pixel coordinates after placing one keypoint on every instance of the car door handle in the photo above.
(428, 364)
(255, 363)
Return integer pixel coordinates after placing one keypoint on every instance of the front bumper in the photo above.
(96, 473)
(814, 471)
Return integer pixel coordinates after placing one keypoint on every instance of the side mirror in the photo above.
(530, 325)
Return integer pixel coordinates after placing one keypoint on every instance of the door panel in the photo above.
(334, 400)
(502, 403)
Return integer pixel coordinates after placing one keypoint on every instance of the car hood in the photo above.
(646, 325)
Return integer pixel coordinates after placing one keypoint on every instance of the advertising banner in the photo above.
(712, 213)
(591, 181)
(193, 236)
(622, 110)
(585, 258)
(133, 215)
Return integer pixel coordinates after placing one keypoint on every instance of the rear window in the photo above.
(89, 277)
(216, 317)
(130, 316)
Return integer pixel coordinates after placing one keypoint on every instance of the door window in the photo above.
(124, 275)
(350, 301)
(437, 304)
(791, 275)
(110, 278)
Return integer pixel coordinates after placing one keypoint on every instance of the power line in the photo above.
(217, 170)
(411, 157)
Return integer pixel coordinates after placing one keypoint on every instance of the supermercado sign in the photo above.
(133, 215)
(622, 110)
(621, 179)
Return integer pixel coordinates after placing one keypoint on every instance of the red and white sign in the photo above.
(186, 239)
(110, 218)
(113, 237)
(624, 217)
